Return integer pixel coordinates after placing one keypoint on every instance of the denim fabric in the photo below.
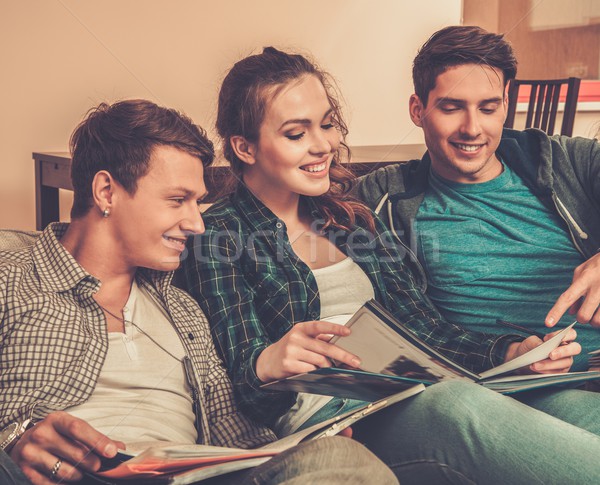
(573, 406)
(333, 460)
(456, 432)
(10, 473)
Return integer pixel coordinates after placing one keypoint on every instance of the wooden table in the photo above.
(53, 172)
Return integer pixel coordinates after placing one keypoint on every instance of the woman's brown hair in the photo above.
(243, 98)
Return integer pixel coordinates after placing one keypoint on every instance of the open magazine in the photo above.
(394, 358)
(183, 464)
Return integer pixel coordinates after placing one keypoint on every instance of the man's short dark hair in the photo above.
(458, 45)
(120, 138)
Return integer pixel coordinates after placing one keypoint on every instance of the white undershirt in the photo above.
(142, 394)
(343, 289)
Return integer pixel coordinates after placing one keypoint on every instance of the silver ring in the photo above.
(55, 469)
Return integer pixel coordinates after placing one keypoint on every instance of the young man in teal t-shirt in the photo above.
(502, 224)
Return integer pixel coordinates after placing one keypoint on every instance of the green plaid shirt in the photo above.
(253, 288)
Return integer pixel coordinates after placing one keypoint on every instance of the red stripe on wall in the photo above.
(588, 91)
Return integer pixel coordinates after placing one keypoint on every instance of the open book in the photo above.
(184, 464)
(394, 358)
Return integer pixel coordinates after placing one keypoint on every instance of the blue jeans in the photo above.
(334, 460)
(456, 432)
(328, 461)
(10, 473)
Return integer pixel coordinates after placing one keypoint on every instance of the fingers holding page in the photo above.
(561, 358)
(556, 359)
(303, 349)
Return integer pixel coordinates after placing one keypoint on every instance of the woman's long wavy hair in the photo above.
(243, 99)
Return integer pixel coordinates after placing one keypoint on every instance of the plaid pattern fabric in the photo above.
(253, 288)
(53, 341)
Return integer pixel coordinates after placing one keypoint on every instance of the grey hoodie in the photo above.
(563, 172)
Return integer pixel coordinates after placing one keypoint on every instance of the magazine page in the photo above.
(183, 464)
(394, 358)
(541, 352)
(348, 383)
(350, 418)
(161, 459)
(197, 475)
(333, 426)
(386, 347)
(511, 384)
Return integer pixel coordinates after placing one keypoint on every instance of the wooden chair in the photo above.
(543, 104)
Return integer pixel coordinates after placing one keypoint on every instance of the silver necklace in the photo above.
(125, 321)
(292, 241)
(306, 233)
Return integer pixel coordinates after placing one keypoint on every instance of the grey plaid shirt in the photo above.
(53, 341)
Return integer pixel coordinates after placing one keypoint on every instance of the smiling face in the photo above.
(152, 225)
(297, 142)
(463, 121)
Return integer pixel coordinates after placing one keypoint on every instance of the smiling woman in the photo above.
(295, 106)
(298, 141)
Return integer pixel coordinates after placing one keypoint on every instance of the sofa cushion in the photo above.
(11, 239)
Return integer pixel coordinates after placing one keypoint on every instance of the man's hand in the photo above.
(303, 349)
(63, 437)
(560, 359)
(582, 297)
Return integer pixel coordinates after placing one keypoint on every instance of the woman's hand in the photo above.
(303, 349)
(560, 359)
(65, 438)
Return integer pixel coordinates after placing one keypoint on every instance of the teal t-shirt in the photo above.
(493, 250)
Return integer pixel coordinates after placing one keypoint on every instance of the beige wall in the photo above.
(60, 57)
(551, 38)
(548, 53)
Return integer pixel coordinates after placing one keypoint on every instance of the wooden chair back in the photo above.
(543, 104)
